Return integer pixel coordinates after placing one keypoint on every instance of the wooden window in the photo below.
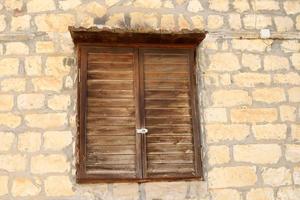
(125, 90)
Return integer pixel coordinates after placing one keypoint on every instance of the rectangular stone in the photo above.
(251, 79)
(30, 101)
(292, 153)
(47, 83)
(53, 163)
(9, 67)
(257, 153)
(226, 132)
(63, 189)
(276, 177)
(215, 115)
(270, 131)
(13, 84)
(253, 115)
(269, 95)
(6, 102)
(228, 98)
(46, 121)
(10, 120)
(13, 162)
(227, 177)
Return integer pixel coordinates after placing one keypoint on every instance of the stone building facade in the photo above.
(249, 95)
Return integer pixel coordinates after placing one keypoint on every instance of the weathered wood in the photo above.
(129, 88)
(110, 94)
(110, 113)
(110, 140)
(165, 94)
(170, 149)
(107, 75)
(166, 76)
(114, 37)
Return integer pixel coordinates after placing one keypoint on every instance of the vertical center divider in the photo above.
(140, 113)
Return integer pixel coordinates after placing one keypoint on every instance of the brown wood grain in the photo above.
(122, 89)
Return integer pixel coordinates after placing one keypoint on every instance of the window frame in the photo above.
(82, 48)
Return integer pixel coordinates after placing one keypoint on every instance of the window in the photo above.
(138, 116)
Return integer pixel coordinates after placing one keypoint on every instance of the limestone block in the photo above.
(295, 58)
(22, 187)
(7, 139)
(239, 176)
(287, 113)
(59, 102)
(54, 22)
(226, 132)
(34, 6)
(269, 95)
(47, 83)
(167, 22)
(219, 5)
(44, 47)
(283, 24)
(276, 176)
(225, 194)
(10, 120)
(218, 155)
(215, 115)
(46, 121)
(147, 3)
(257, 153)
(260, 194)
(294, 94)
(270, 131)
(252, 61)
(253, 115)
(290, 78)
(16, 48)
(64, 188)
(12, 162)
(272, 63)
(228, 98)
(251, 79)
(57, 140)
(20, 23)
(9, 66)
(29, 141)
(217, 62)
(291, 7)
(194, 6)
(33, 65)
(292, 153)
(6, 102)
(53, 163)
(241, 5)
(30, 101)
(214, 22)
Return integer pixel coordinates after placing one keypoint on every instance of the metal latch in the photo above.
(142, 130)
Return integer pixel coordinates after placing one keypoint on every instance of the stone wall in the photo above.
(249, 92)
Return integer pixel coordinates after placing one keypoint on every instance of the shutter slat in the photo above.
(110, 67)
(110, 94)
(166, 76)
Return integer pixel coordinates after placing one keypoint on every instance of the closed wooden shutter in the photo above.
(110, 113)
(125, 89)
(170, 149)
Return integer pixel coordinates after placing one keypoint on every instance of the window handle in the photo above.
(142, 130)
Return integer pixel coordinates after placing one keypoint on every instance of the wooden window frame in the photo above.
(82, 48)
